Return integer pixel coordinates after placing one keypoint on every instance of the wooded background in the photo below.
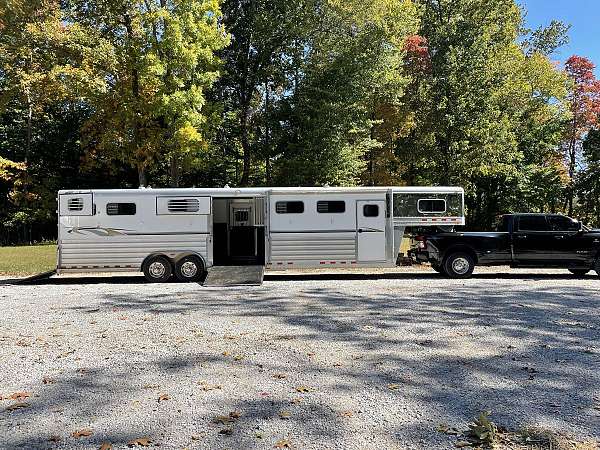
(123, 93)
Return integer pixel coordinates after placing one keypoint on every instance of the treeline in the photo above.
(123, 93)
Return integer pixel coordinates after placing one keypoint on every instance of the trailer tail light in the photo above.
(421, 242)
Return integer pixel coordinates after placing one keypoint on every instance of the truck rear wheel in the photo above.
(459, 265)
(438, 268)
(189, 268)
(158, 269)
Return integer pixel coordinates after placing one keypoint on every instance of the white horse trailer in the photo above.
(186, 232)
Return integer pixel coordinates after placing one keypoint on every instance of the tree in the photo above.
(585, 108)
(588, 180)
(157, 59)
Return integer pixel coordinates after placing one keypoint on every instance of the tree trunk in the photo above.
(142, 176)
(174, 171)
(245, 146)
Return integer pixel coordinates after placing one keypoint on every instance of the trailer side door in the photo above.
(370, 230)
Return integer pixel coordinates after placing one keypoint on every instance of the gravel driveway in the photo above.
(346, 361)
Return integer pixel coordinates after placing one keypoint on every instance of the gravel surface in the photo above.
(345, 361)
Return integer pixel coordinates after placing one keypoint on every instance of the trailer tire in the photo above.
(158, 269)
(189, 268)
(459, 265)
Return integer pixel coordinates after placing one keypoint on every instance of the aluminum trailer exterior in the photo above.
(187, 231)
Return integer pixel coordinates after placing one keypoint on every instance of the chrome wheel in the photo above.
(189, 269)
(157, 269)
(460, 266)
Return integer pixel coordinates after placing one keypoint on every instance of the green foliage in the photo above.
(482, 431)
(206, 93)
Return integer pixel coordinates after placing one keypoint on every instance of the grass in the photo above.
(27, 260)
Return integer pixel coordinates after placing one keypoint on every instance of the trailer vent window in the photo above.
(75, 204)
(331, 206)
(431, 205)
(289, 207)
(120, 209)
(190, 205)
(371, 211)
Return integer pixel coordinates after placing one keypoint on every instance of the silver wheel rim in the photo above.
(157, 269)
(460, 265)
(189, 269)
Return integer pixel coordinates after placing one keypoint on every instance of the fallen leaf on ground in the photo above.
(280, 376)
(296, 400)
(444, 428)
(226, 353)
(347, 413)
(285, 415)
(235, 414)
(238, 357)
(283, 443)
(227, 431)
(19, 396)
(393, 386)
(19, 405)
(209, 387)
(54, 438)
(151, 386)
(163, 397)
(82, 433)
(48, 380)
(139, 442)
(303, 389)
(106, 446)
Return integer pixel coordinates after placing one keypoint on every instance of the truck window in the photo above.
(502, 225)
(533, 223)
(563, 223)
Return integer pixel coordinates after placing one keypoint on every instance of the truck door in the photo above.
(570, 245)
(370, 229)
(531, 237)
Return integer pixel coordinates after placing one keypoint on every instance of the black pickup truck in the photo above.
(520, 240)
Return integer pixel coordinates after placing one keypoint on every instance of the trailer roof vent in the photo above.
(75, 204)
(181, 205)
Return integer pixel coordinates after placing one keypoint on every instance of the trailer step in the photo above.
(235, 276)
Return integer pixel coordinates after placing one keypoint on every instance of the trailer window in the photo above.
(75, 204)
(431, 205)
(294, 207)
(180, 205)
(371, 210)
(331, 206)
(120, 209)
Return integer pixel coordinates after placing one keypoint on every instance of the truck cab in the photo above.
(520, 240)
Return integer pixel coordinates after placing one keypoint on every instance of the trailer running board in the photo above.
(235, 276)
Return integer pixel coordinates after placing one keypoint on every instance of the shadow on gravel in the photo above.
(530, 355)
(117, 279)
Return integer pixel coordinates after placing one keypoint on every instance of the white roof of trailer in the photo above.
(263, 190)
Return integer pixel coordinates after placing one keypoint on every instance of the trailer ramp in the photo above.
(234, 276)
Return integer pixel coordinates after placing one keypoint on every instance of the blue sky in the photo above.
(582, 15)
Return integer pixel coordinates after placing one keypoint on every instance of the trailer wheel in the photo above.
(459, 265)
(189, 268)
(579, 272)
(158, 269)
